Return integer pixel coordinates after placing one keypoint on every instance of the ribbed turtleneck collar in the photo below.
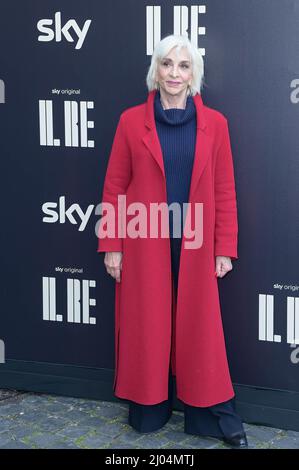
(174, 116)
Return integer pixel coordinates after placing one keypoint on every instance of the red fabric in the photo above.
(144, 306)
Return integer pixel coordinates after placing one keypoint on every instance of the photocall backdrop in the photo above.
(67, 71)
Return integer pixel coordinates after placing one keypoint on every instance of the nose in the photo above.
(174, 71)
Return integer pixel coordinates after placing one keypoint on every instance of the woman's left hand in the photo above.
(223, 265)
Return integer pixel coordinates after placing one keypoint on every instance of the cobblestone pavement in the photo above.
(34, 420)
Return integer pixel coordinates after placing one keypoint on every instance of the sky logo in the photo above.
(58, 32)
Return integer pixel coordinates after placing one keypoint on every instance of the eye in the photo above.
(166, 64)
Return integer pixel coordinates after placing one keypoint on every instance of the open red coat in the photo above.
(150, 329)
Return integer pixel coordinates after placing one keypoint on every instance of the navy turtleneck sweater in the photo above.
(176, 129)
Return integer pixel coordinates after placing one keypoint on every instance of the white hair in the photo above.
(162, 49)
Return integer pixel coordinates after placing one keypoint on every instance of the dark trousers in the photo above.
(215, 421)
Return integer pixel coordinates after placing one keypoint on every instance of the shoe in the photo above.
(236, 441)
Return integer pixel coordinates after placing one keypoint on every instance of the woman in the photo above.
(172, 149)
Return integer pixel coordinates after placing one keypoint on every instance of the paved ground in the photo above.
(33, 420)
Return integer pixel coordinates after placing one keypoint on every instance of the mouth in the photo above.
(173, 83)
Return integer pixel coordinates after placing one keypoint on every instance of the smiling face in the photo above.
(174, 72)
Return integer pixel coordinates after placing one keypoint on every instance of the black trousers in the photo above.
(215, 421)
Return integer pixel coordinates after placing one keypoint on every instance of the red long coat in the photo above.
(150, 329)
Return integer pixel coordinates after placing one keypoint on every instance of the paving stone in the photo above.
(171, 445)
(15, 445)
(61, 399)
(175, 435)
(284, 443)
(22, 431)
(94, 422)
(206, 445)
(33, 399)
(74, 431)
(76, 401)
(109, 412)
(33, 416)
(21, 408)
(199, 442)
(292, 434)
(86, 407)
(254, 443)
(118, 444)
(52, 424)
(150, 440)
(31, 420)
(64, 445)
(75, 415)
(56, 407)
(8, 409)
(44, 441)
(123, 419)
(97, 441)
(5, 438)
(109, 429)
(129, 435)
(262, 433)
(6, 424)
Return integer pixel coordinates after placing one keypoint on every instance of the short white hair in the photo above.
(163, 47)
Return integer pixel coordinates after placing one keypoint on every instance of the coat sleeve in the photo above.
(117, 179)
(226, 220)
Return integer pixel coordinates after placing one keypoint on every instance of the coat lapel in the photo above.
(202, 145)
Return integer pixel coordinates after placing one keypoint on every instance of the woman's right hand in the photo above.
(113, 263)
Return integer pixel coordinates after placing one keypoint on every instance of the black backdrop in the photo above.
(63, 60)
